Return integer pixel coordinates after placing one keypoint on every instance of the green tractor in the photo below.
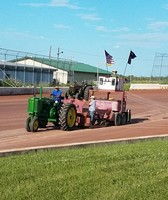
(79, 91)
(43, 110)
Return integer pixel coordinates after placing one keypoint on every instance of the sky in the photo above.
(83, 29)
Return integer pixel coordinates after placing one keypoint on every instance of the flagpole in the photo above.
(127, 63)
(125, 68)
(131, 56)
(97, 72)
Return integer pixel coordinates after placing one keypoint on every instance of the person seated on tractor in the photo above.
(57, 95)
(92, 110)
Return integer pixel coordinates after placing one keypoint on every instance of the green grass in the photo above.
(126, 171)
(127, 86)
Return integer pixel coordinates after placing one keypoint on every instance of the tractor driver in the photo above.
(57, 94)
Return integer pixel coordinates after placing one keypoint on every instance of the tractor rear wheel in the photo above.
(86, 92)
(34, 124)
(123, 119)
(67, 117)
(117, 119)
(27, 124)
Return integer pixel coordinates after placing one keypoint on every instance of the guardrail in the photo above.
(148, 86)
(48, 90)
(28, 91)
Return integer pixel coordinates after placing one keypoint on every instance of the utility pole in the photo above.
(58, 54)
(50, 52)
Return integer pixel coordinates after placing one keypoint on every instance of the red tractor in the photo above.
(110, 106)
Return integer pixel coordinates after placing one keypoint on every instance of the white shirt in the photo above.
(92, 105)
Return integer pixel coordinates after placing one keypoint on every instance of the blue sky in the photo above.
(83, 29)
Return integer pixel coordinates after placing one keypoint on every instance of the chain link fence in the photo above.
(30, 68)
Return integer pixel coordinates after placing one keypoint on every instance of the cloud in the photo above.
(105, 29)
(102, 29)
(33, 4)
(61, 26)
(54, 3)
(90, 17)
(145, 39)
(158, 25)
(63, 3)
(21, 35)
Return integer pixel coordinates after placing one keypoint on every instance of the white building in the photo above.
(35, 70)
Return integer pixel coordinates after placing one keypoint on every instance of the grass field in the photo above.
(124, 171)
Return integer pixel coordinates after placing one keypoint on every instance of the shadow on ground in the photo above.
(138, 120)
(51, 128)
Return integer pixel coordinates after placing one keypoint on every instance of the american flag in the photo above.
(109, 58)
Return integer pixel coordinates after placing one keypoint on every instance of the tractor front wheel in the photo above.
(34, 124)
(27, 124)
(67, 117)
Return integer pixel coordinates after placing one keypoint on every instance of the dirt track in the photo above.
(149, 117)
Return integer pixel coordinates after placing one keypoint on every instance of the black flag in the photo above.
(131, 56)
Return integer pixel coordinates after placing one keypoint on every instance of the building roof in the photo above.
(11, 65)
(67, 65)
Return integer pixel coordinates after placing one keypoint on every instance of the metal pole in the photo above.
(5, 65)
(125, 69)
(49, 64)
(160, 68)
(97, 73)
(58, 53)
(153, 68)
